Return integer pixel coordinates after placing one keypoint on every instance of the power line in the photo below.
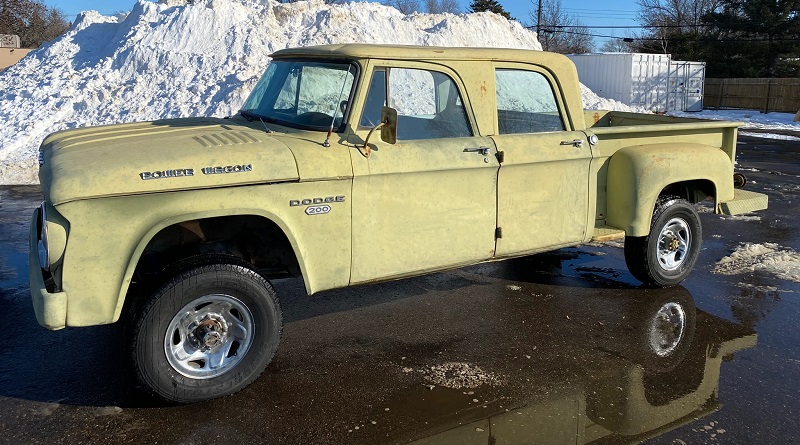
(627, 26)
(631, 39)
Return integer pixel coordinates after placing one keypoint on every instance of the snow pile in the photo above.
(780, 261)
(591, 101)
(164, 61)
(169, 60)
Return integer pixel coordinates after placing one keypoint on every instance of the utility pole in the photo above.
(539, 20)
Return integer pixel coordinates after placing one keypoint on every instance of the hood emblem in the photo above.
(180, 172)
(227, 169)
(161, 174)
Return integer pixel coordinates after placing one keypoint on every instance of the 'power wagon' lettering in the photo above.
(167, 173)
(227, 169)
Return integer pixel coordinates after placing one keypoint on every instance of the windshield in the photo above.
(302, 94)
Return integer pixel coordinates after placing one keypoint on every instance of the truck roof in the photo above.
(411, 52)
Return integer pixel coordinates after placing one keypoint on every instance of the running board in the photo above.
(607, 233)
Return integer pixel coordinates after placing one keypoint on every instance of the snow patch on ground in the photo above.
(704, 207)
(764, 289)
(782, 137)
(782, 262)
(460, 375)
(752, 120)
(742, 218)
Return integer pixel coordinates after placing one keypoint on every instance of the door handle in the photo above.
(482, 150)
(575, 143)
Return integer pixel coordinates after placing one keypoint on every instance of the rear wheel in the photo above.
(208, 332)
(666, 256)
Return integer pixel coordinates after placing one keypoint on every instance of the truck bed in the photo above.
(617, 129)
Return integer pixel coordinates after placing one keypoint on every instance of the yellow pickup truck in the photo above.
(352, 164)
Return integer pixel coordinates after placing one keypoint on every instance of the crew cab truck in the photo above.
(353, 164)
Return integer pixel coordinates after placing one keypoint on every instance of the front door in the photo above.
(427, 202)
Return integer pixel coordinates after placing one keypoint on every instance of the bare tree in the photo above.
(32, 21)
(442, 6)
(404, 6)
(683, 15)
(668, 21)
(560, 31)
(616, 45)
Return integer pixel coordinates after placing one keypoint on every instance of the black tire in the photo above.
(207, 333)
(666, 256)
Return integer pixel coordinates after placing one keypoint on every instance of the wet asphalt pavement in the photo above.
(549, 349)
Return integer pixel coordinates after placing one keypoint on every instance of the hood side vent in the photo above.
(224, 138)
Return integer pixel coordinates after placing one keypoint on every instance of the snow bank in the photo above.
(780, 261)
(166, 60)
(752, 119)
(591, 101)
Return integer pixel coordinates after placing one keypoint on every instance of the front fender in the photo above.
(638, 174)
(107, 237)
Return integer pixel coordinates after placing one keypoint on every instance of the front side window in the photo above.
(302, 94)
(526, 103)
(428, 103)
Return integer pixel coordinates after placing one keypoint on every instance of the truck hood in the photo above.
(158, 156)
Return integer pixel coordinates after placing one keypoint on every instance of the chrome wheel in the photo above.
(666, 329)
(674, 242)
(209, 336)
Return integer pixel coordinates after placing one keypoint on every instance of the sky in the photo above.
(609, 20)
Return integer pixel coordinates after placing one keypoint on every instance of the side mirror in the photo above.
(389, 128)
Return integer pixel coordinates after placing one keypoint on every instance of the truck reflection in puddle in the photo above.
(636, 368)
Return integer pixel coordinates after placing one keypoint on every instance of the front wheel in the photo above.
(206, 333)
(666, 256)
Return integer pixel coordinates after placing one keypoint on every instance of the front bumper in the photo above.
(743, 201)
(50, 307)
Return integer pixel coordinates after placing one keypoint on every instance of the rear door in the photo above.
(543, 183)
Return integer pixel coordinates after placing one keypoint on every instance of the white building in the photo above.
(652, 81)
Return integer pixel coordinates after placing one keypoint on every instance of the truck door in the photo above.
(543, 183)
(429, 201)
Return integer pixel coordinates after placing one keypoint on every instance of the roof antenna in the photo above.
(327, 142)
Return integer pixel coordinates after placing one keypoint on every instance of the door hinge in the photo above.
(498, 233)
(501, 156)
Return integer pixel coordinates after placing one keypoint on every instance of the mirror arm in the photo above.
(366, 150)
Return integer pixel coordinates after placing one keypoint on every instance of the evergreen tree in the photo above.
(755, 38)
(736, 38)
(489, 5)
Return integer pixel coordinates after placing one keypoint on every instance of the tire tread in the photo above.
(188, 278)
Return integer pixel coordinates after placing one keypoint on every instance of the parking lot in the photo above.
(553, 348)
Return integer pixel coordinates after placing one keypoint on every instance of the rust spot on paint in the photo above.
(483, 88)
(596, 117)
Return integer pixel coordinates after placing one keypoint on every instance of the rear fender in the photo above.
(638, 174)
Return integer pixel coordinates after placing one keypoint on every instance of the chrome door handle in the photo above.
(482, 150)
(575, 143)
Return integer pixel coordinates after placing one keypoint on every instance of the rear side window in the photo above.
(428, 103)
(526, 103)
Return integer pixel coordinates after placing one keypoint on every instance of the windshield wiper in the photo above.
(251, 117)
